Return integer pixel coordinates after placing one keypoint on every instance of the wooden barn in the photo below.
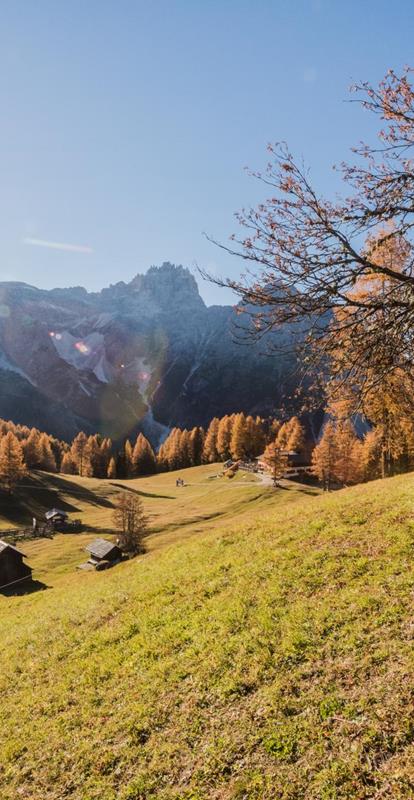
(103, 553)
(12, 568)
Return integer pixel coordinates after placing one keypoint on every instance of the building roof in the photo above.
(55, 512)
(100, 547)
(5, 545)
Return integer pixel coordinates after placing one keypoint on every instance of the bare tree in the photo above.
(130, 520)
(307, 253)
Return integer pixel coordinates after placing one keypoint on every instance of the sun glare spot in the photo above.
(82, 347)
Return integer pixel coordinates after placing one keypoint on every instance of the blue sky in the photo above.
(126, 125)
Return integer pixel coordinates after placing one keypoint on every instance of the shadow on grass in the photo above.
(24, 587)
(142, 494)
(38, 493)
(76, 490)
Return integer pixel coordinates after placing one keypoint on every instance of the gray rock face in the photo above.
(146, 355)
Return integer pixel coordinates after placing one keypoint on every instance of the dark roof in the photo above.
(55, 512)
(100, 547)
(5, 545)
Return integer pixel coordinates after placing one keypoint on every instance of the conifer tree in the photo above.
(185, 447)
(296, 438)
(31, 450)
(143, 457)
(58, 449)
(131, 521)
(371, 455)
(259, 440)
(196, 445)
(12, 467)
(128, 458)
(104, 457)
(210, 454)
(68, 466)
(323, 457)
(175, 454)
(282, 437)
(79, 452)
(224, 437)
(239, 441)
(345, 451)
(276, 460)
(47, 459)
(112, 468)
(162, 462)
(92, 457)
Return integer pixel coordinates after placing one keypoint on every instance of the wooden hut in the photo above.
(56, 518)
(12, 568)
(103, 553)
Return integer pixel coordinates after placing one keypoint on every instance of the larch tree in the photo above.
(224, 437)
(47, 458)
(131, 522)
(196, 445)
(323, 457)
(128, 459)
(112, 472)
(12, 466)
(276, 460)
(143, 457)
(68, 466)
(296, 438)
(31, 449)
(346, 471)
(239, 438)
(210, 454)
(305, 253)
(79, 452)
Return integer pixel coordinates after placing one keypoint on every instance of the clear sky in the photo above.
(126, 125)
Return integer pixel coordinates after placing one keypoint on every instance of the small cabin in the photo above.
(12, 567)
(102, 551)
(56, 518)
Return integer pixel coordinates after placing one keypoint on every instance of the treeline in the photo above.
(23, 449)
(236, 436)
(342, 458)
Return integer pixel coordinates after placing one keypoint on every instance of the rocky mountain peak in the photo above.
(168, 286)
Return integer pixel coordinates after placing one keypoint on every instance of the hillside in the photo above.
(265, 658)
(174, 513)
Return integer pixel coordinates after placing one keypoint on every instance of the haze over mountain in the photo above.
(146, 355)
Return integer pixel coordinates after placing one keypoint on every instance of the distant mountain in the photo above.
(145, 355)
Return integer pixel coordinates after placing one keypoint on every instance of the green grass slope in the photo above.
(174, 513)
(266, 659)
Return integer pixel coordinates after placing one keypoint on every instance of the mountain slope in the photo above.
(270, 660)
(145, 355)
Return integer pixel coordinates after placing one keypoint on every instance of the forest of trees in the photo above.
(236, 436)
(339, 458)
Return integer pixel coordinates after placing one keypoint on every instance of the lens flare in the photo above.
(82, 347)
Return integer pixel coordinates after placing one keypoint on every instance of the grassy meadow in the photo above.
(264, 653)
(174, 513)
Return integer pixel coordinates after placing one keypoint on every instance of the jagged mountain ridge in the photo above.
(144, 355)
